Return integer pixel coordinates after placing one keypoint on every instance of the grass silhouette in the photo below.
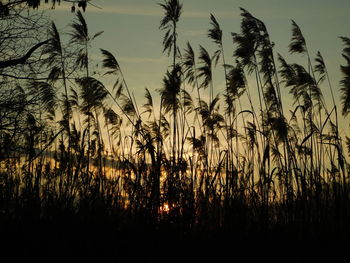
(93, 176)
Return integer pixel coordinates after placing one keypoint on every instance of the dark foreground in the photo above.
(92, 238)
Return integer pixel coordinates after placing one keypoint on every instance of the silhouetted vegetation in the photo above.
(86, 167)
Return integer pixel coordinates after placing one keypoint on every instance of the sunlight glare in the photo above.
(165, 208)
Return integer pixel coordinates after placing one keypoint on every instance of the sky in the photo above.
(131, 33)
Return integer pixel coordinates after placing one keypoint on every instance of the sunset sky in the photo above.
(131, 32)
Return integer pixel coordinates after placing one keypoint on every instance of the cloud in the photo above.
(151, 60)
(193, 33)
(122, 9)
(129, 10)
(143, 10)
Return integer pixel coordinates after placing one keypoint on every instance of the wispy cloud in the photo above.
(203, 14)
(193, 33)
(133, 60)
(121, 9)
(140, 60)
(143, 10)
(129, 9)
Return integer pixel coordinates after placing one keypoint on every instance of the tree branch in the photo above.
(30, 78)
(22, 60)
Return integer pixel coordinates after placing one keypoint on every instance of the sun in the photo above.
(165, 208)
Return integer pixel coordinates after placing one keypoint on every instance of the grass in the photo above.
(112, 179)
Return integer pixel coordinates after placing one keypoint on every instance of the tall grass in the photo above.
(228, 164)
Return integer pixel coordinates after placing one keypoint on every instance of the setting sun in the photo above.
(165, 208)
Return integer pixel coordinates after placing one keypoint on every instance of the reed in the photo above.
(192, 168)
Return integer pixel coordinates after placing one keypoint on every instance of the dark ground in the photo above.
(67, 240)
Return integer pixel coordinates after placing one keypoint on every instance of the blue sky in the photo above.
(131, 32)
